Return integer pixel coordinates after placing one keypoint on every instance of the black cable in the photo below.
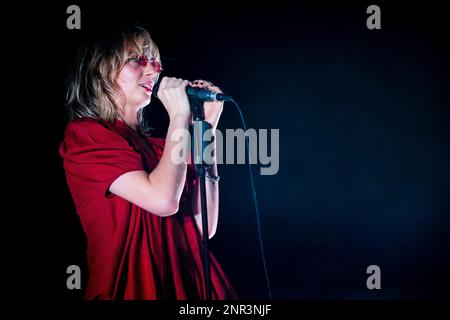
(255, 202)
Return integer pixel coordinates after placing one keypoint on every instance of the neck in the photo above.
(130, 118)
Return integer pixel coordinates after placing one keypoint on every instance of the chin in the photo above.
(143, 103)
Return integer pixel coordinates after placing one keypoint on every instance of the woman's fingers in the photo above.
(162, 85)
(205, 84)
(172, 94)
(170, 82)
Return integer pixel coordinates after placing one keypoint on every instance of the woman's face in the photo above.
(136, 80)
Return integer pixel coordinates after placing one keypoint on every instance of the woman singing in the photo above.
(139, 209)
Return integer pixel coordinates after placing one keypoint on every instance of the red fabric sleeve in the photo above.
(95, 155)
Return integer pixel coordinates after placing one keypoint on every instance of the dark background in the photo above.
(364, 122)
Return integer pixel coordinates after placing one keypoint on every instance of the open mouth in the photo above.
(147, 87)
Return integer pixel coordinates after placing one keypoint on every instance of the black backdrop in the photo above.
(363, 115)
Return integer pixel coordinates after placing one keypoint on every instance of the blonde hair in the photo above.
(92, 89)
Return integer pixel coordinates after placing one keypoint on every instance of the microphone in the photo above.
(197, 93)
(206, 95)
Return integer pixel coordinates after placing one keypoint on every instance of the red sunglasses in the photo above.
(143, 61)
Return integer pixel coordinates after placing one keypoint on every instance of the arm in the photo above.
(159, 192)
(213, 111)
(212, 198)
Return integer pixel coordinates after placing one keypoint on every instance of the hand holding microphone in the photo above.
(198, 90)
(213, 105)
(174, 93)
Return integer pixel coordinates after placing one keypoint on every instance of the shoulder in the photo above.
(81, 133)
(87, 125)
(88, 128)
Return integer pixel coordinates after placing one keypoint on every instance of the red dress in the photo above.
(132, 253)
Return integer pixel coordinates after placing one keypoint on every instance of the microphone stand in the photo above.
(198, 147)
